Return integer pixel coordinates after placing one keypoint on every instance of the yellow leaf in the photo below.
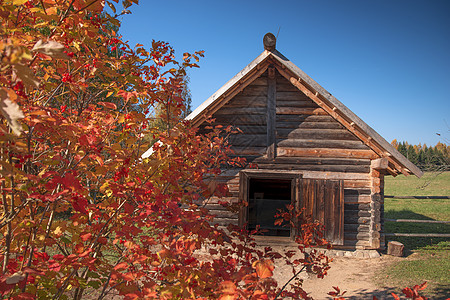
(19, 2)
(57, 230)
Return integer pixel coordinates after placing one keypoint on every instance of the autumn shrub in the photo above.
(82, 210)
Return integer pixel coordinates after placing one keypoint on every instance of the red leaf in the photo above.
(408, 292)
(422, 286)
(70, 181)
(86, 236)
(79, 204)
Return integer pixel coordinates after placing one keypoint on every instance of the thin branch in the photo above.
(286, 284)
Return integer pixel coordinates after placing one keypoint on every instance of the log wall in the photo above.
(309, 142)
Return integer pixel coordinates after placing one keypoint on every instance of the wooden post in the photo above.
(271, 112)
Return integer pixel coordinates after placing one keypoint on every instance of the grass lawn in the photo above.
(428, 258)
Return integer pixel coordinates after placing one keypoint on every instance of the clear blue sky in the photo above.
(387, 60)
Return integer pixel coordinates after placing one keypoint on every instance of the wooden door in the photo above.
(323, 201)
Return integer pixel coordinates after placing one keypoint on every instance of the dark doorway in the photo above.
(266, 197)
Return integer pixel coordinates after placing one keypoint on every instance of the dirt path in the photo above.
(354, 275)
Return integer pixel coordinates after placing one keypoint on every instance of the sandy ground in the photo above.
(353, 275)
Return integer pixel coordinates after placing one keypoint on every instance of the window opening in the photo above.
(265, 198)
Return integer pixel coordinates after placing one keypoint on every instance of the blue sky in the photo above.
(388, 60)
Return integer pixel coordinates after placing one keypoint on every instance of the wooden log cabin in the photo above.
(310, 150)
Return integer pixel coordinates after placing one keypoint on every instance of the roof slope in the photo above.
(397, 162)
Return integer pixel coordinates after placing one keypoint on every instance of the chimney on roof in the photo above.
(269, 41)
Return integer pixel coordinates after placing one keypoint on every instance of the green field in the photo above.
(430, 184)
(428, 259)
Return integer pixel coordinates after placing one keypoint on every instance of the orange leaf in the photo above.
(121, 266)
(109, 105)
(228, 290)
(264, 268)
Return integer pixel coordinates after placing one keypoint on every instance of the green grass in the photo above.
(428, 258)
(430, 184)
(418, 209)
(432, 266)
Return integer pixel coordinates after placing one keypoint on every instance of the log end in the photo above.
(395, 248)
(269, 41)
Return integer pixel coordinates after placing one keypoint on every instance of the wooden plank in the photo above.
(317, 175)
(247, 101)
(351, 236)
(356, 228)
(223, 214)
(313, 143)
(238, 120)
(293, 95)
(241, 111)
(325, 168)
(316, 134)
(243, 198)
(318, 161)
(248, 140)
(225, 221)
(305, 118)
(295, 103)
(300, 111)
(262, 81)
(417, 197)
(357, 199)
(416, 221)
(271, 113)
(357, 220)
(254, 90)
(311, 125)
(444, 235)
(324, 152)
(283, 85)
(356, 213)
(357, 206)
(253, 129)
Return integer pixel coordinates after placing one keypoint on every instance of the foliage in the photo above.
(81, 210)
(427, 158)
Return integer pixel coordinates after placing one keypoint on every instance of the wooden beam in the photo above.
(324, 152)
(271, 113)
(379, 164)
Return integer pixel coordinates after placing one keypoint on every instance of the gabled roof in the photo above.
(397, 163)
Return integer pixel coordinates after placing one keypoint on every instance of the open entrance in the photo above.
(266, 197)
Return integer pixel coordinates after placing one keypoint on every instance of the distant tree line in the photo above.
(427, 158)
